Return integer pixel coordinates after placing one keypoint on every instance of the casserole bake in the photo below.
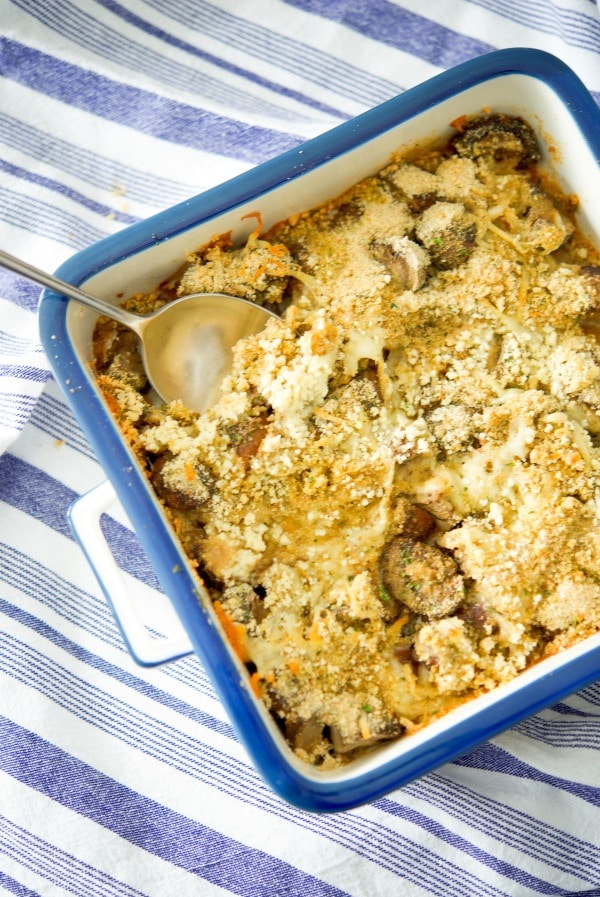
(331, 164)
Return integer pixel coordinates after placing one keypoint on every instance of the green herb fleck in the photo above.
(384, 594)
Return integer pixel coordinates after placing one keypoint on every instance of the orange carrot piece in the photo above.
(256, 232)
(235, 632)
(255, 684)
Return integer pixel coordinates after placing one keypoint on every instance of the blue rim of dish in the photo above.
(283, 775)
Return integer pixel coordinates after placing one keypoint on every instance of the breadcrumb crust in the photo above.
(461, 379)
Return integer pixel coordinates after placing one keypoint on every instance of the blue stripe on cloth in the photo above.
(54, 418)
(574, 28)
(563, 733)
(24, 372)
(15, 409)
(29, 670)
(336, 75)
(91, 167)
(95, 36)
(67, 192)
(190, 672)
(147, 112)
(194, 50)
(15, 887)
(40, 583)
(595, 892)
(387, 23)
(10, 344)
(59, 868)
(36, 493)
(563, 708)
(591, 694)
(46, 220)
(162, 832)
(127, 551)
(450, 837)
(491, 757)
(19, 291)
(190, 756)
(90, 612)
(391, 850)
(512, 828)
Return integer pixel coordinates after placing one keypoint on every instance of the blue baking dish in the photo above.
(524, 82)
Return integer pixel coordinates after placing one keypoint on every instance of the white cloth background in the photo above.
(116, 780)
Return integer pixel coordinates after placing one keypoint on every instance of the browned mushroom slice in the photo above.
(344, 214)
(304, 734)
(105, 336)
(447, 231)
(116, 349)
(504, 139)
(411, 520)
(415, 186)
(422, 577)
(307, 735)
(244, 604)
(546, 229)
(247, 434)
(182, 486)
(375, 729)
(406, 261)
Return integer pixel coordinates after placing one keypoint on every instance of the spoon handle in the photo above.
(66, 289)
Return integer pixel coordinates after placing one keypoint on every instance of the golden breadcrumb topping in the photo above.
(394, 504)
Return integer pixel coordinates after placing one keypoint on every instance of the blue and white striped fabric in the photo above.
(119, 781)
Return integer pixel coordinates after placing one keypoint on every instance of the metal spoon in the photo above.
(185, 345)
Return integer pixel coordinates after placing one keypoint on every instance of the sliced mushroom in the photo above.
(476, 616)
(502, 139)
(116, 349)
(407, 262)
(374, 729)
(182, 485)
(243, 603)
(546, 230)
(411, 520)
(304, 735)
(106, 332)
(345, 213)
(417, 187)
(422, 577)
(247, 434)
(447, 231)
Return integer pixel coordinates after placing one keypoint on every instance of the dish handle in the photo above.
(150, 642)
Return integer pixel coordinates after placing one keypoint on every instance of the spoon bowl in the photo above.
(186, 346)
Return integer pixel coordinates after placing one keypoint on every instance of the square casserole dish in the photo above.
(522, 82)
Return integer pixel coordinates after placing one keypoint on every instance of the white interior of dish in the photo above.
(565, 151)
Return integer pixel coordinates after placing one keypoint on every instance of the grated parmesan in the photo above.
(396, 499)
